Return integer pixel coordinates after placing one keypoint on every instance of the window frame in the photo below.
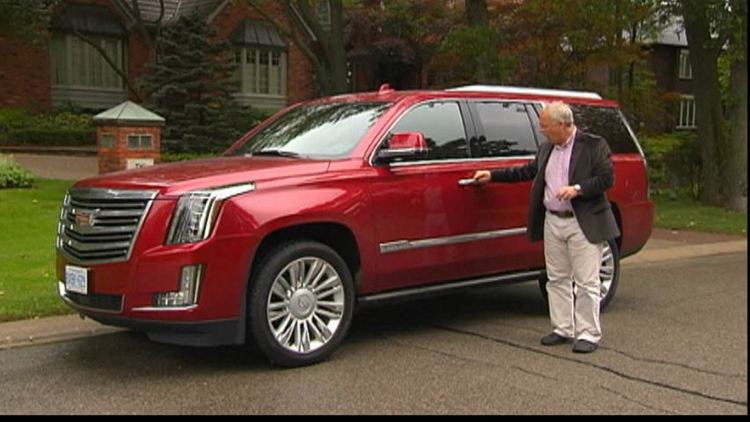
(73, 67)
(469, 129)
(140, 137)
(688, 100)
(480, 131)
(685, 70)
(241, 74)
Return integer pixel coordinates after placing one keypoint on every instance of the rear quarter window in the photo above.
(607, 123)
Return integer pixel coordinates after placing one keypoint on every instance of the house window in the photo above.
(686, 72)
(687, 113)
(323, 10)
(260, 70)
(108, 140)
(76, 63)
(139, 141)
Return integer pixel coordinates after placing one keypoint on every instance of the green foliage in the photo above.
(173, 157)
(648, 111)
(25, 18)
(674, 163)
(13, 175)
(190, 86)
(19, 127)
(469, 55)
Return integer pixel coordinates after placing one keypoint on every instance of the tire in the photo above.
(609, 274)
(297, 323)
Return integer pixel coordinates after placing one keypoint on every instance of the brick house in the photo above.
(669, 60)
(64, 70)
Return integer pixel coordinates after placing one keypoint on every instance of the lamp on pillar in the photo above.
(127, 136)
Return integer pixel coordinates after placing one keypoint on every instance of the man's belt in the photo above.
(562, 214)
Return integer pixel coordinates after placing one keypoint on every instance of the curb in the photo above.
(70, 327)
(685, 252)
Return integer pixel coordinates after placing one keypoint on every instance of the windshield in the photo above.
(329, 130)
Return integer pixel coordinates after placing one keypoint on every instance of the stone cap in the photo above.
(128, 114)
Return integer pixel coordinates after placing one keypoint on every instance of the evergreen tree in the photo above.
(190, 86)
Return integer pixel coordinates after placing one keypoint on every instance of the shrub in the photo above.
(62, 128)
(171, 157)
(14, 176)
(674, 162)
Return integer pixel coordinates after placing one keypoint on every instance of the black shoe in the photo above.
(584, 346)
(553, 339)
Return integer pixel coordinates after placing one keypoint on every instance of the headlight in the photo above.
(196, 212)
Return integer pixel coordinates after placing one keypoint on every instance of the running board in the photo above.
(450, 287)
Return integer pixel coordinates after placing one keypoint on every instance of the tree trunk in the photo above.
(478, 16)
(709, 116)
(476, 13)
(337, 51)
(737, 157)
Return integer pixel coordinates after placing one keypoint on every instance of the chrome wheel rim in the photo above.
(305, 305)
(607, 270)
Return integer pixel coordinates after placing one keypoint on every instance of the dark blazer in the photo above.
(590, 167)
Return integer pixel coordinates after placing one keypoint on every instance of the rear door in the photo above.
(506, 137)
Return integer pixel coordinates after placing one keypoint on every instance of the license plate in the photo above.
(76, 279)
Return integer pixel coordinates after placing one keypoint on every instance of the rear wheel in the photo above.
(301, 303)
(609, 274)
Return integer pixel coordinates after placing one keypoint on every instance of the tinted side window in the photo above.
(442, 126)
(605, 122)
(505, 130)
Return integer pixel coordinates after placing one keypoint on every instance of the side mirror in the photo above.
(404, 145)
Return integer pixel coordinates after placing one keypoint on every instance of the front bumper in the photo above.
(122, 293)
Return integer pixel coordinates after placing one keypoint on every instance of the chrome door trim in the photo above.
(445, 287)
(403, 245)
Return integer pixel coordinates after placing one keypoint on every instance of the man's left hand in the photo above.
(567, 193)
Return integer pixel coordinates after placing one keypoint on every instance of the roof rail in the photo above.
(531, 91)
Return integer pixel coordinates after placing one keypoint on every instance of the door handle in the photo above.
(468, 182)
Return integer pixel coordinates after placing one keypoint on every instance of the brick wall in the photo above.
(25, 74)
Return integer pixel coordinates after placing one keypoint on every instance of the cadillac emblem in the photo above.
(85, 218)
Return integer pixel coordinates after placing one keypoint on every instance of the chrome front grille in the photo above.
(100, 225)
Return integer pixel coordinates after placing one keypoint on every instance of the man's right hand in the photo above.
(482, 176)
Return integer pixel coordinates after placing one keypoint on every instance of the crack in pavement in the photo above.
(617, 393)
(681, 365)
(593, 365)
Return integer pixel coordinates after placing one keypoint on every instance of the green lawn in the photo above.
(686, 214)
(27, 250)
(29, 222)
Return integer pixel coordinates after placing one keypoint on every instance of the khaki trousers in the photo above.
(572, 260)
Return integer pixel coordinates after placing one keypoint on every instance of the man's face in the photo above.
(555, 132)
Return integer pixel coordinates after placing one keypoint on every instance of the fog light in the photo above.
(190, 281)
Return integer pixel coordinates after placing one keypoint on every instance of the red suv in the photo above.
(326, 206)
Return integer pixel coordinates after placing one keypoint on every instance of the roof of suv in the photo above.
(479, 91)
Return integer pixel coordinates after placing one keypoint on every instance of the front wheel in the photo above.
(301, 303)
(609, 274)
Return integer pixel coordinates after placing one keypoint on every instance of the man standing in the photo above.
(570, 211)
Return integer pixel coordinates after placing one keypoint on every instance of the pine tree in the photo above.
(190, 86)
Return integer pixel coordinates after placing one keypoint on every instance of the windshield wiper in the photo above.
(275, 152)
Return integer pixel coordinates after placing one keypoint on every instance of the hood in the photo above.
(177, 178)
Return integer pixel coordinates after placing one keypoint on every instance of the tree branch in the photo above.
(290, 34)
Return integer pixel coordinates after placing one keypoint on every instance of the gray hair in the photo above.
(558, 111)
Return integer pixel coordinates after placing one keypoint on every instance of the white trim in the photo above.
(686, 117)
(528, 91)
